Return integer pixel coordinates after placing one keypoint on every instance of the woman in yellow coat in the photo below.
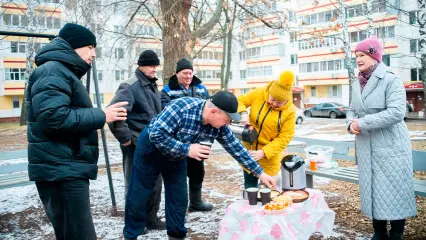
(273, 115)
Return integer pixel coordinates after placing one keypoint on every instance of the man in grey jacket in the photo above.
(141, 92)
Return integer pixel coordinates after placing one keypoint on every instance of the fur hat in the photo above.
(281, 89)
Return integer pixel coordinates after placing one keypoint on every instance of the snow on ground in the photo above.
(13, 161)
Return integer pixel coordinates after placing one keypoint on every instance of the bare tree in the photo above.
(422, 43)
(178, 39)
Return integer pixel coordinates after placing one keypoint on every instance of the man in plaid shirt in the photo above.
(163, 147)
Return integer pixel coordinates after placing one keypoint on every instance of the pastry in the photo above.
(296, 195)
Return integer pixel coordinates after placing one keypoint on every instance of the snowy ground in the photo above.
(22, 216)
(28, 221)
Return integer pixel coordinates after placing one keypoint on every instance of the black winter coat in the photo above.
(62, 123)
(144, 104)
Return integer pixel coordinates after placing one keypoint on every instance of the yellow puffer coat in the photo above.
(272, 140)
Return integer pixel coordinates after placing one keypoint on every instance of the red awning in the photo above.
(298, 90)
(414, 87)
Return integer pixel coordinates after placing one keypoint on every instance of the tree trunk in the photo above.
(422, 42)
(229, 47)
(29, 59)
(370, 29)
(222, 65)
(346, 47)
(176, 34)
(424, 81)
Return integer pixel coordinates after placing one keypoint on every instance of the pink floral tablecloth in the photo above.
(243, 221)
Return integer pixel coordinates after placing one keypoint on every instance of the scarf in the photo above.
(364, 76)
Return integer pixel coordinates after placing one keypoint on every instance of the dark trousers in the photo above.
(155, 199)
(148, 164)
(195, 173)
(397, 226)
(250, 180)
(67, 205)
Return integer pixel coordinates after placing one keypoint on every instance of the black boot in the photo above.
(155, 223)
(397, 229)
(196, 204)
(380, 230)
(174, 238)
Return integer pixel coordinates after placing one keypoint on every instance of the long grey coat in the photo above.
(383, 148)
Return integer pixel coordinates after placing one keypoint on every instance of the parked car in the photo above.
(300, 117)
(331, 109)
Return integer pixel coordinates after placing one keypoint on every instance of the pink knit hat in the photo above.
(372, 47)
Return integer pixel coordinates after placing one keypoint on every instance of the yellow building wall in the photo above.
(321, 91)
(6, 103)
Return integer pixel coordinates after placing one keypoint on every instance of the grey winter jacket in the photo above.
(383, 147)
(144, 104)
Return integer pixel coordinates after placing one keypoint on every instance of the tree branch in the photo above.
(202, 31)
(152, 15)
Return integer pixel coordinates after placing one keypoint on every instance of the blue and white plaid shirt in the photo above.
(180, 124)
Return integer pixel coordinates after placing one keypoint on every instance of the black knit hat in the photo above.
(77, 36)
(148, 58)
(183, 64)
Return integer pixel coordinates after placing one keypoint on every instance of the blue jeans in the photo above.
(148, 163)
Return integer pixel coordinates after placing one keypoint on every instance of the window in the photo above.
(414, 45)
(416, 74)
(17, 47)
(354, 36)
(293, 58)
(243, 74)
(100, 76)
(242, 55)
(38, 46)
(413, 15)
(378, 6)
(101, 96)
(313, 91)
(98, 52)
(119, 53)
(293, 37)
(15, 101)
(334, 91)
(14, 74)
(118, 29)
(119, 75)
(386, 60)
(15, 20)
(259, 71)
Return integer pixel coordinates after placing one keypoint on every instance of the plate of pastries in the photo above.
(278, 204)
(297, 196)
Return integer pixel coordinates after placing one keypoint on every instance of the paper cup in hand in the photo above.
(208, 144)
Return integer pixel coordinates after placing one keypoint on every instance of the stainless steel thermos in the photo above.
(244, 133)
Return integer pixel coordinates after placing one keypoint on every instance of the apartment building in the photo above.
(262, 53)
(116, 54)
(318, 59)
(322, 73)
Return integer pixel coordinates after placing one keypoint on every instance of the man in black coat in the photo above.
(185, 84)
(62, 137)
(141, 92)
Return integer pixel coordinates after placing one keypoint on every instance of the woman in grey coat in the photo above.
(383, 147)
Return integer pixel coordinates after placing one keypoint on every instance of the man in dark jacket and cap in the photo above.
(141, 92)
(185, 84)
(62, 137)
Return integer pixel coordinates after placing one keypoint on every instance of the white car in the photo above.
(300, 117)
